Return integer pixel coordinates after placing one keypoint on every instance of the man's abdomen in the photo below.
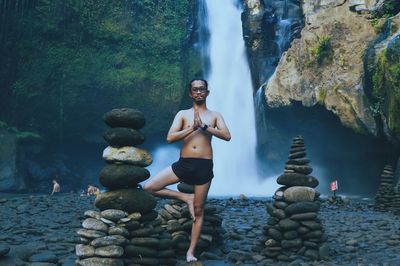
(197, 149)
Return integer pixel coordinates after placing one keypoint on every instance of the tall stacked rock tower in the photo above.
(126, 231)
(386, 194)
(293, 227)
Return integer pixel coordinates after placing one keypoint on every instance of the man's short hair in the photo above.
(201, 79)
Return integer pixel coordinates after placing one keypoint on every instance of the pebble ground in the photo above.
(43, 228)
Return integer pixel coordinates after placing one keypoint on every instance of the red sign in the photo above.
(333, 186)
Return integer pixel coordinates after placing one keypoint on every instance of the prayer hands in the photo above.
(197, 120)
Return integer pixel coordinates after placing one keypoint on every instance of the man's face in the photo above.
(198, 91)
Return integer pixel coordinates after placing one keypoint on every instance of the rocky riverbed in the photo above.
(40, 230)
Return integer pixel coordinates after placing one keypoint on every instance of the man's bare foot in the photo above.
(190, 257)
(190, 205)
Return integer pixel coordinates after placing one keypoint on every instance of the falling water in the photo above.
(231, 94)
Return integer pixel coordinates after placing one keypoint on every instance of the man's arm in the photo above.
(176, 132)
(221, 130)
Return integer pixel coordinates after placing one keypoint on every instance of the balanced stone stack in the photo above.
(177, 221)
(126, 231)
(385, 193)
(293, 228)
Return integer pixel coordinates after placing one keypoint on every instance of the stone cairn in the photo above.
(293, 228)
(177, 221)
(387, 197)
(395, 206)
(126, 230)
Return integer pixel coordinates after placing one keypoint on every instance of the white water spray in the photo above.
(231, 94)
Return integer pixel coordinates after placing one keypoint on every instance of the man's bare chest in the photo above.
(207, 119)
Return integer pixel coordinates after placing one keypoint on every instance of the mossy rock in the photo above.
(114, 176)
(122, 136)
(129, 200)
(295, 179)
(124, 117)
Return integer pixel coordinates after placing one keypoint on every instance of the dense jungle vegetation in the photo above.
(66, 62)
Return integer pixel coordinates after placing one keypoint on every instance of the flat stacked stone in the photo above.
(176, 220)
(293, 228)
(126, 230)
(385, 193)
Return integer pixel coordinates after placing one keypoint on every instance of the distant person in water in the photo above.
(92, 190)
(195, 127)
(56, 187)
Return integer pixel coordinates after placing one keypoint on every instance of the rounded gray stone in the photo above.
(122, 136)
(94, 224)
(113, 214)
(145, 242)
(301, 207)
(95, 261)
(114, 176)
(84, 251)
(295, 179)
(112, 251)
(299, 193)
(92, 214)
(91, 234)
(293, 243)
(287, 224)
(129, 200)
(124, 117)
(118, 230)
(109, 241)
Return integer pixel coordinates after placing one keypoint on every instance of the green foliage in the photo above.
(386, 87)
(394, 27)
(378, 25)
(322, 51)
(321, 96)
(78, 59)
(21, 135)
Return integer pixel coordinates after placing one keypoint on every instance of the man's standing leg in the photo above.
(200, 195)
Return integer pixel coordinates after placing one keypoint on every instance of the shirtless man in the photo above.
(56, 187)
(194, 127)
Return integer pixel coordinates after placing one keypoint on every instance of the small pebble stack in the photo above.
(293, 228)
(386, 198)
(176, 220)
(126, 231)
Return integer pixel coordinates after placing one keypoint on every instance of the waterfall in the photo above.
(231, 94)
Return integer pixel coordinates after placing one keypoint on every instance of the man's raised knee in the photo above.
(148, 187)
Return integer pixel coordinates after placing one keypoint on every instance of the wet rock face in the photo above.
(261, 24)
(336, 38)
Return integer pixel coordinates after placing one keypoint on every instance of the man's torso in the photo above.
(198, 144)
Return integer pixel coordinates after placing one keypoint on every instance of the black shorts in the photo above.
(194, 171)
